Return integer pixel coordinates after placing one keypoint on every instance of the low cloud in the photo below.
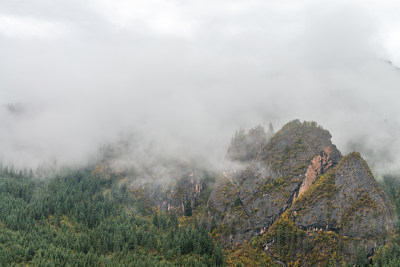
(182, 77)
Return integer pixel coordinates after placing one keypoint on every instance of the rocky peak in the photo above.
(298, 171)
(348, 201)
(264, 187)
(295, 144)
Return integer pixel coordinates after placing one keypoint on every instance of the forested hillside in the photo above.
(284, 199)
(79, 219)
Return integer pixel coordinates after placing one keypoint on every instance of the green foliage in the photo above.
(274, 185)
(297, 247)
(237, 202)
(391, 185)
(213, 224)
(81, 220)
(188, 208)
(389, 255)
(323, 187)
(360, 259)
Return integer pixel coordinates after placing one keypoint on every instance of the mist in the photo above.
(178, 78)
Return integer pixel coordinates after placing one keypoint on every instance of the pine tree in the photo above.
(361, 257)
(173, 220)
(188, 208)
(270, 128)
(156, 220)
(213, 224)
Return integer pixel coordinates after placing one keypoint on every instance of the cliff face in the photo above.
(298, 171)
(188, 187)
(185, 183)
(346, 200)
(319, 165)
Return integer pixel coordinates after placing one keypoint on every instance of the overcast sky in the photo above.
(184, 74)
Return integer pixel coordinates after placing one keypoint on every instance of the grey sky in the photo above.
(76, 74)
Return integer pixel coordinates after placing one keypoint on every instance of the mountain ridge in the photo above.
(298, 173)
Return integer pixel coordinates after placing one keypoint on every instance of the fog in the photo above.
(179, 77)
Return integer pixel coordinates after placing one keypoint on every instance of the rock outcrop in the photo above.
(298, 171)
(187, 187)
(347, 200)
(319, 165)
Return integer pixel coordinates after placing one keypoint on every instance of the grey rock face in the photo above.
(261, 189)
(347, 200)
(300, 171)
(188, 187)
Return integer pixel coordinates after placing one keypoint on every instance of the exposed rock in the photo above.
(300, 173)
(319, 165)
(294, 181)
(347, 200)
(265, 186)
(173, 196)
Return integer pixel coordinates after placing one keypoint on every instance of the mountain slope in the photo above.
(299, 175)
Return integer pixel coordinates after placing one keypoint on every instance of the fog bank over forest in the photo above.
(178, 78)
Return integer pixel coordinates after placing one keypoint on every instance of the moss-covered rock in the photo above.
(349, 201)
(267, 183)
(298, 192)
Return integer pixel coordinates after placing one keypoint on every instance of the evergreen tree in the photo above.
(361, 259)
(213, 224)
(270, 128)
(188, 208)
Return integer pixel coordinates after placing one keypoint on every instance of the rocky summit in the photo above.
(297, 179)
